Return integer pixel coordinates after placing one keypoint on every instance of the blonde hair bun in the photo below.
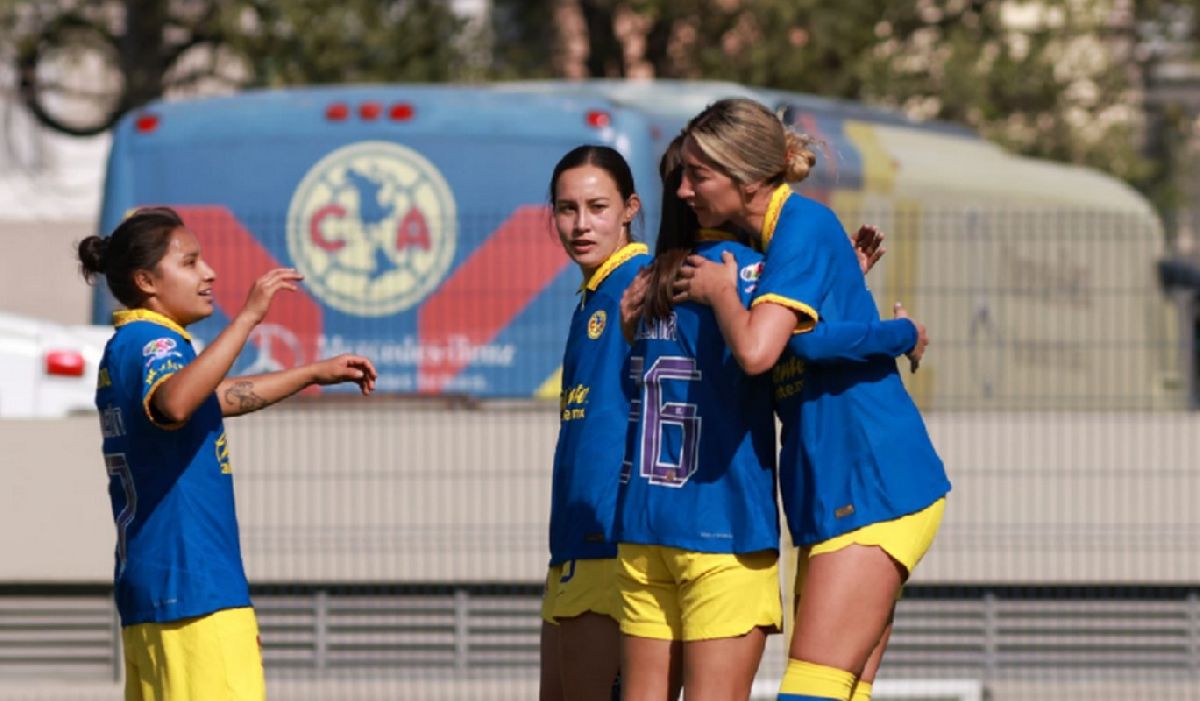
(799, 159)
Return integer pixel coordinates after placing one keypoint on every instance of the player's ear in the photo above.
(144, 281)
(633, 205)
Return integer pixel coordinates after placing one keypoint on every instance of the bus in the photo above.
(419, 217)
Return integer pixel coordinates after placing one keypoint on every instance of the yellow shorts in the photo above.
(673, 594)
(905, 539)
(217, 657)
(577, 587)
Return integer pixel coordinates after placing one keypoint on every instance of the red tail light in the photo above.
(598, 119)
(401, 112)
(370, 110)
(146, 122)
(64, 363)
(337, 112)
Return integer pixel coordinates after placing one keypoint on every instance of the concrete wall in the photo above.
(388, 491)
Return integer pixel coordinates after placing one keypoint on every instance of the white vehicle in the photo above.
(47, 369)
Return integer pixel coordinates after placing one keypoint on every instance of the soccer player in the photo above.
(594, 204)
(862, 486)
(697, 519)
(188, 629)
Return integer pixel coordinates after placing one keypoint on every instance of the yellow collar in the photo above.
(715, 235)
(618, 257)
(120, 318)
(778, 198)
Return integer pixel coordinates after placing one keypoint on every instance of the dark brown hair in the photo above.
(678, 232)
(606, 159)
(138, 243)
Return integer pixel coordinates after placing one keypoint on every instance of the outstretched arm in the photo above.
(855, 341)
(242, 395)
(182, 393)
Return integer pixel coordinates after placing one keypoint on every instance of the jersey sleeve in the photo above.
(854, 341)
(161, 353)
(797, 272)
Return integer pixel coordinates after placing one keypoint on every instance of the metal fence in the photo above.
(396, 544)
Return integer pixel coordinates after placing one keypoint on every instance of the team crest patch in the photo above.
(596, 324)
(751, 272)
(373, 228)
(158, 348)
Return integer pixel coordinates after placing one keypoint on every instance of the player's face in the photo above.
(712, 195)
(182, 284)
(591, 217)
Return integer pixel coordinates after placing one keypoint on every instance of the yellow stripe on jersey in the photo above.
(612, 263)
(778, 198)
(150, 412)
(808, 315)
(127, 316)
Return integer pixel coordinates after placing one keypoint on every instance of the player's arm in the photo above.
(178, 397)
(854, 341)
(756, 336)
(242, 395)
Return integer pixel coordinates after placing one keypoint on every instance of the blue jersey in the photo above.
(594, 415)
(701, 473)
(854, 447)
(171, 485)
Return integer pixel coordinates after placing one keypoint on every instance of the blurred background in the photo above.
(1034, 165)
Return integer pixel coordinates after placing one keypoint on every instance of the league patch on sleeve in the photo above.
(751, 272)
(158, 348)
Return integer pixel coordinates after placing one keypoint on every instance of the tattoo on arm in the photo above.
(241, 395)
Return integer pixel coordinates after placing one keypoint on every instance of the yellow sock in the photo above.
(806, 680)
(862, 692)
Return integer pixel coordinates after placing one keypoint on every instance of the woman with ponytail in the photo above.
(862, 486)
(697, 519)
(187, 626)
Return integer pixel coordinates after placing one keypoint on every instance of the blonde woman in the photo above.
(862, 486)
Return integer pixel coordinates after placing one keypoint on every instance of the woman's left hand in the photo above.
(868, 246)
(346, 368)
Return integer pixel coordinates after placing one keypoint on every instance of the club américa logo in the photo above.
(596, 324)
(372, 226)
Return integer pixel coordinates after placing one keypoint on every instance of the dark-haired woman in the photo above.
(188, 629)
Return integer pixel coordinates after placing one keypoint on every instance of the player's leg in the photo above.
(550, 686)
(650, 669)
(844, 604)
(729, 603)
(651, 654)
(586, 607)
(864, 685)
(590, 647)
(723, 668)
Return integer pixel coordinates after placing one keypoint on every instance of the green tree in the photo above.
(1058, 79)
(288, 42)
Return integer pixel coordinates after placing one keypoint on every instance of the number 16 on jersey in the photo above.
(668, 435)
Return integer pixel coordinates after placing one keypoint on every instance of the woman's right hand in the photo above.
(258, 303)
(918, 350)
(701, 280)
